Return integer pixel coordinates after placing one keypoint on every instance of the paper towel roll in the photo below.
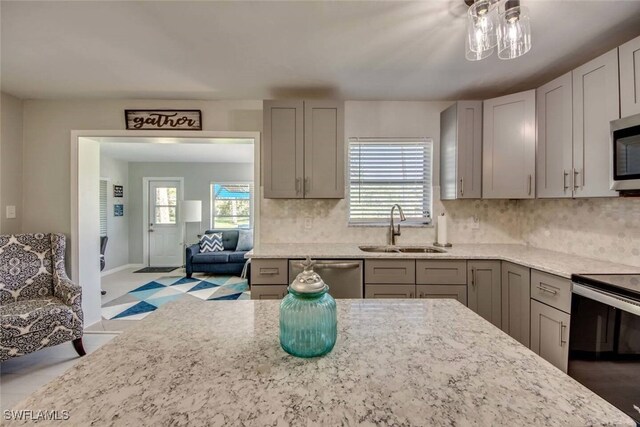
(442, 230)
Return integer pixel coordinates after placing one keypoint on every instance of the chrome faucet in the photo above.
(392, 231)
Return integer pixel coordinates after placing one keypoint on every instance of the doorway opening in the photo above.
(158, 199)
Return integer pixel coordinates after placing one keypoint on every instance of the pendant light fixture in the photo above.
(514, 31)
(501, 25)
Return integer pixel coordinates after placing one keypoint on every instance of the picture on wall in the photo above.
(118, 191)
(118, 210)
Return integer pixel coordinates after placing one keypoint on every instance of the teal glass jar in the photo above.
(308, 319)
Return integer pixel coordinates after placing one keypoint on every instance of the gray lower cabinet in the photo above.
(457, 292)
(389, 291)
(550, 334)
(516, 301)
(268, 291)
(484, 290)
(630, 78)
(384, 271)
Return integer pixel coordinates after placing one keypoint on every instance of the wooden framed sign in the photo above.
(163, 119)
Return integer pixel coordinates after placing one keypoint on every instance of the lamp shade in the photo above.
(191, 210)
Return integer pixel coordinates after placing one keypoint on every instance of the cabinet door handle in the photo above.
(562, 328)
(564, 180)
(462, 186)
(298, 182)
(530, 186)
(473, 276)
(410, 294)
(576, 172)
(421, 295)
(307, 184)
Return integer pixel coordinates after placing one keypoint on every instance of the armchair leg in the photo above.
(77, 344)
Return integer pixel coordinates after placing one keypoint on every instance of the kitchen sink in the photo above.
(381, 249)
(421, 250)
(403, 249)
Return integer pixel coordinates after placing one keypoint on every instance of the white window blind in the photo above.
(103, 207)
(383, 172)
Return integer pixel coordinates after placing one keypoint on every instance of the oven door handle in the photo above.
(625, 304)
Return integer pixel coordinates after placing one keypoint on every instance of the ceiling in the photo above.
(178, 150)
(396, 50)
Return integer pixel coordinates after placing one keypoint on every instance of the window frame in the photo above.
(212, 200)
(422, 222)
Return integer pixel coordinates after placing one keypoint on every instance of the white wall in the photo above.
(197, 180)
(117, 172)
(47, 126)
(11, 176)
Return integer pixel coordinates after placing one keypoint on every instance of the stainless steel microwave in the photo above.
(625, 153)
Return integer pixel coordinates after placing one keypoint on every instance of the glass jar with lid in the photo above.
(308, 319)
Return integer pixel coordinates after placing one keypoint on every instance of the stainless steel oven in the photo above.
(625, 153)
(604, 343)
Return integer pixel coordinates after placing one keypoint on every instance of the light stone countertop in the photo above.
(557, 263)
(396, 362)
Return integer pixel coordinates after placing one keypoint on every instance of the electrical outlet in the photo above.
(475, 222)
(308, 223)
(11, 212)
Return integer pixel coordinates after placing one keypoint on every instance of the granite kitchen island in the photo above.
(400, 362)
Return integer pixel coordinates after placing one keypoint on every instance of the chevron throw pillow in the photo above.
(211, 243)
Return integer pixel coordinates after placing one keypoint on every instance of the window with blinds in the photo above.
(383, 172)
(103, 207)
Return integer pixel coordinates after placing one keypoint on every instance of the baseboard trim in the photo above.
(122, 267)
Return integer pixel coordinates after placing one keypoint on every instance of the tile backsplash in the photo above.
(607, 229)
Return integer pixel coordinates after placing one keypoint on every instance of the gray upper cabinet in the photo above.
(596, 100)
(484, 290)
(554, 165)
(516, 301)
(461, 151)
(324, 150)
(283, 163)
(509, 147)
(630, 78)
(303, 149)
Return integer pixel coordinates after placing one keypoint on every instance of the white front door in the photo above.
(165, 243)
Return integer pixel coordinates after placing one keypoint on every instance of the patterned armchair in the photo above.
(39, 306)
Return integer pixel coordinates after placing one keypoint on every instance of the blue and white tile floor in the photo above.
(138, 303)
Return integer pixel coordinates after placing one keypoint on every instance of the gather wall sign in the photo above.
(163, 119)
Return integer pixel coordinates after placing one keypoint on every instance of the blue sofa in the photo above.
(227, 262)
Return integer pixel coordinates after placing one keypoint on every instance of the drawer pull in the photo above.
(473, 277)
(544, 289)
(270, 271)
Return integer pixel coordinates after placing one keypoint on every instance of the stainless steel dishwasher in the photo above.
(344, 277)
